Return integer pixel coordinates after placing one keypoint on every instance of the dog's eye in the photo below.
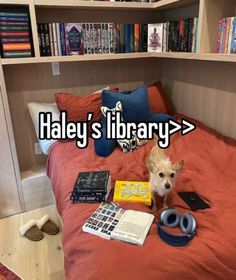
(172, 175)
(161, 174)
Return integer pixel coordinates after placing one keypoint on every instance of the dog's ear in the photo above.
(151, 165)
(104, 110)
(118, 106)
(178, 166)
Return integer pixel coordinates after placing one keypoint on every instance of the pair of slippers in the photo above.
(34, 229)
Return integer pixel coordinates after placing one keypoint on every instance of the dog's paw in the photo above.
(165, 206)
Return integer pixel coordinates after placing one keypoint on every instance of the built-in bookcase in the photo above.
(25, 80)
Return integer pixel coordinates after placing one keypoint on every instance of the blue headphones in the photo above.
(171, 218)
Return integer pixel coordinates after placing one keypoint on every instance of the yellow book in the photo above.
(132, 191)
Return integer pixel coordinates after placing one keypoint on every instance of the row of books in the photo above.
(91, 38)
(226, 41)
(15, 34)
(174, 36)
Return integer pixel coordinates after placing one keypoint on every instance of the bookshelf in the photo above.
(126, 70)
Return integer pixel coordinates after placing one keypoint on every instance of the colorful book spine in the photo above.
(233, 41)
(127, 38)
(230, 34)
(196, 36)
(54, 34)
(47, 39)
(62, 38)
(122, 38)
(58, 38)
(228, 22)
(51, 39)
(117, 38)
(99, 38)
(132, 39)
(111, 38)
(136, 37)
(43, 42)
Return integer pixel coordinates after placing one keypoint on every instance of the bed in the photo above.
(210, 161)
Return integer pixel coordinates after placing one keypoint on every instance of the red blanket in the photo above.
(210, 162)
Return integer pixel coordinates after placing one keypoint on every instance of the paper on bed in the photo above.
(133, 227)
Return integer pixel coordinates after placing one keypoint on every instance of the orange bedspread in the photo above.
(210, 170)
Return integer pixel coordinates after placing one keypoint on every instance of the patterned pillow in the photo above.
(127, 145)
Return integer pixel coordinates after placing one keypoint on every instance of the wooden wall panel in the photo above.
(36, 83)
(9, 197)
(205, 91)
(83, 15)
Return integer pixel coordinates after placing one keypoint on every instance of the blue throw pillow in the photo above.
(135, 104)
(104, 147)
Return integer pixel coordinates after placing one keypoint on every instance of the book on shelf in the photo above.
(92, 186)
(112, 222)
(15, 33)
(155, 37)
(173, 36)
(132, 191)
(226, 38)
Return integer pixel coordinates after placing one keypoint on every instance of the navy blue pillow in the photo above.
(104, 147)
(135, 105)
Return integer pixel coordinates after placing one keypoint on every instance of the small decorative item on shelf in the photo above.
(15, 32)
(91, 38)
(226, 41)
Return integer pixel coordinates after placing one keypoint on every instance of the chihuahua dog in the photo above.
(162, 174)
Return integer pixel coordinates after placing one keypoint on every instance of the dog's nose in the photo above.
(167, 186)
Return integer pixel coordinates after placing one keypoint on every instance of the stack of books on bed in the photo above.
(92, 187)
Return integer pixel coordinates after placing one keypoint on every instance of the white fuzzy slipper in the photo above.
(31, 231)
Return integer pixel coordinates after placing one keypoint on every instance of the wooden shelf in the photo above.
(94, 57)
(163, 4)
(103, 57)
(94, 4)
(171, 4)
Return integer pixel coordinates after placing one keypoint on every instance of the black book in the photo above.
(76, 198)
(43, 41)
(47, 40)
(143, 37)
(190, 34)
(92, 182)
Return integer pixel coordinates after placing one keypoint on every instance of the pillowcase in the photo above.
(77, 107)
(34, 109)
(135, 104)
(158, 99)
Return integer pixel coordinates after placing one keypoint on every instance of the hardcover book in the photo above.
(74, 35)
(233, 40)
(132, 191)
(155, 37)
(92, 182)
(112, 222)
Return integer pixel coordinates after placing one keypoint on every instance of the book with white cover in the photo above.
(112, 222)
(155, 37)
(133, 227)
